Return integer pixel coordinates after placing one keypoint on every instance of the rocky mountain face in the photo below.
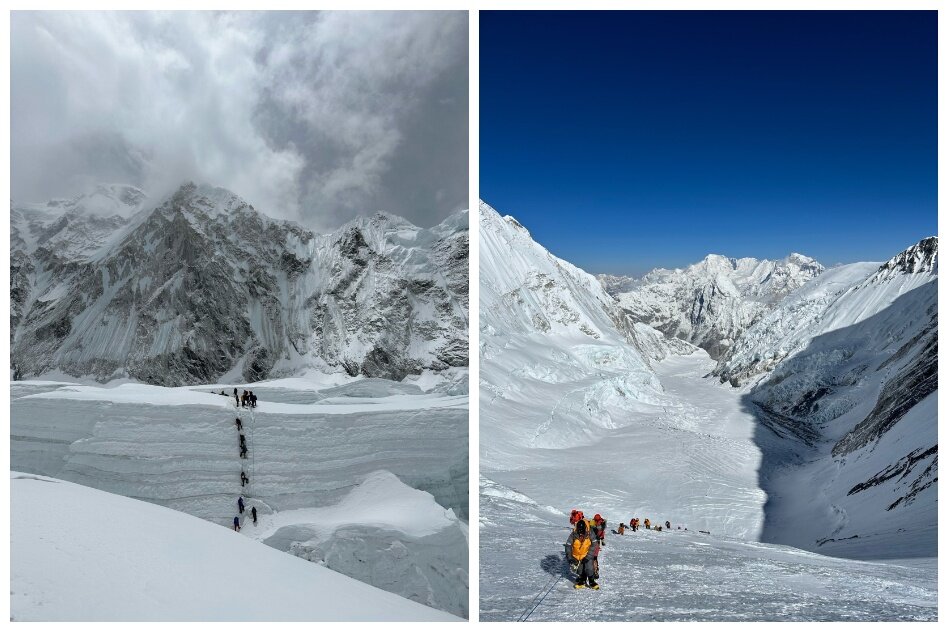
(711, 303)
(204, 286)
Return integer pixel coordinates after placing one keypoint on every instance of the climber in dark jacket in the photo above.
(236, 523)
(253, 512)
(243, 478)
(240, 504)
(240, 426)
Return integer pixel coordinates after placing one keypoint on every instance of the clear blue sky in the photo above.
(629, 140)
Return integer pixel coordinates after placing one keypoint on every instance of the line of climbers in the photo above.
(244, 479)
(245, 400)
(586, 540)
(240, 510)
(634, 526)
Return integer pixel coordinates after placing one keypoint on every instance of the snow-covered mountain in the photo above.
(545, 326)
(711, 303)
(79, 554)
(204, 286)
(847, 369)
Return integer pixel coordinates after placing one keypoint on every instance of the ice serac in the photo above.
(203, 285)
(559, 358)
(847, 371)
(711, 303)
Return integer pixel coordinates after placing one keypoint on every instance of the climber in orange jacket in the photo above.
(580, 546)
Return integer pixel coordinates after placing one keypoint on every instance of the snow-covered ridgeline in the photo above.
(203, 286)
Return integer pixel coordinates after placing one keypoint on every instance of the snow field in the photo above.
(80, 554)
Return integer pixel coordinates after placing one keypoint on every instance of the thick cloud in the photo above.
(317, 117)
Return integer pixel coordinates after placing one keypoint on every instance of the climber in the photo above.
(580, 544)
(243, 450)
(235, 396)
(240, 504)
(253, 512)
(253, 400)
(240, 426)
(648, 525)
(668, 525)
(575, 516)
(634, 523)
(243, 478)
(599, 526)
(236, 523)
(597, 530)
(621, 530)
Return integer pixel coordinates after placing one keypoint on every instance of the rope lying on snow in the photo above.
(535, 603)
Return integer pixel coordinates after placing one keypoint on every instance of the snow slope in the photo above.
(309, 448)
(681, 575)
(203, 285)
(711, 303)
(79, 554)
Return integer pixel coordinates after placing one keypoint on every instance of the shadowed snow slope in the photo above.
(842, 375)
(79, 554)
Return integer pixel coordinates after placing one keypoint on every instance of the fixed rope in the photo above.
(535, 602)
(253, 454)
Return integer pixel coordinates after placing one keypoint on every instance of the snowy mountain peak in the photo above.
(801, 260)
(712, 302)
(919, 258)
(105, 200)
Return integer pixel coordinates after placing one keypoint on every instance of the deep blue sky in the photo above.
(629, 140)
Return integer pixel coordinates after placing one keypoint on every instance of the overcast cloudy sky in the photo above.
(317, 117)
